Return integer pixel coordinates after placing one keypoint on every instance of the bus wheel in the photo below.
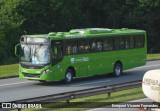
(117, 69)
(69, 76)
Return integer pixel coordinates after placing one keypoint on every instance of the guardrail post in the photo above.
(19, 109)
(109, 94)
(68, 101)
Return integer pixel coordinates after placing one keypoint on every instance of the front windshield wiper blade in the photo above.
(37, 49)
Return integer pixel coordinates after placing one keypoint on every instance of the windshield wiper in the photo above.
(37, 49)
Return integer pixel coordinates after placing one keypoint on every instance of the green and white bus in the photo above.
(80, 53)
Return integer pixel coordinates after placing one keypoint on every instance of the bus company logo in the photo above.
(6, 105)
(85, 59)
(72, 60)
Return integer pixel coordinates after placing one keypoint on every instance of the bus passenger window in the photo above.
(99, 46)
(84, 46)
(139, 41)
(87, 48)
(74, 49)
(121, 45)
(93, 46)
(55, 50)
(81, 49)
(69, 50)
(108, 44)
(118, 43)
(71, 47)
(129, 42)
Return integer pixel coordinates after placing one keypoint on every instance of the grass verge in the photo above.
(8, 70)
(96, 101)
(153, 56)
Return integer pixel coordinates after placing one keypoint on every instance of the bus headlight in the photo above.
(45, 71)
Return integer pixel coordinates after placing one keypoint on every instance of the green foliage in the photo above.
(44, 16)
(52, 15)
(10, 28)
(8, 70)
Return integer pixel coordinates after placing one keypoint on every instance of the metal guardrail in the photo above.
(81, 93)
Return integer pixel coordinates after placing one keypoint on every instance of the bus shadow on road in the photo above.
(92, 79)
(75, 80)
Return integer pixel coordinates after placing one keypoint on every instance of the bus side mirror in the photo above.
(17, 50)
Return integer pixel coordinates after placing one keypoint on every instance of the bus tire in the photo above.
(117, 69)
(68, 76)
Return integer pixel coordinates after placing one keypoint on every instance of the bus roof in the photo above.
(89, 32)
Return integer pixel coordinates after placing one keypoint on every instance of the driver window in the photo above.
(57, 49)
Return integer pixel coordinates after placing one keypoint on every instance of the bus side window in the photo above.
(107, 44)
(55, 50)
(71, 47)
(118, 43)
(93, 46)
(129, 42)
(96, 45)
(74, 49)
(99, 46)
(139, 41)
(68, 50)
(84, 46)
(87, 46)
(121, 45)
(81, 49)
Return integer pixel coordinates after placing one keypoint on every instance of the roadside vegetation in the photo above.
(153, 56)
(8, 70)
(91, 102)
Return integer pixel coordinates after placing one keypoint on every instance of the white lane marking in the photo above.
(15, 83)
(142, 100)
(95, 109)
(90, 83)
(148, 66)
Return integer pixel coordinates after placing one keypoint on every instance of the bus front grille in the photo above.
(31, 75)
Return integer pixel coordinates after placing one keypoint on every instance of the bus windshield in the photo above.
(34, 54)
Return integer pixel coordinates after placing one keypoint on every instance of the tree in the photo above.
(9, 30)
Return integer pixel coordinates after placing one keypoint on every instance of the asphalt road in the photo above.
(17, 89)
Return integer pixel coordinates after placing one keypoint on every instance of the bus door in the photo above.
(57, 51)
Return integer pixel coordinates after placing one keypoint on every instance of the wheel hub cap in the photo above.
(118, 70)
(68, 76)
